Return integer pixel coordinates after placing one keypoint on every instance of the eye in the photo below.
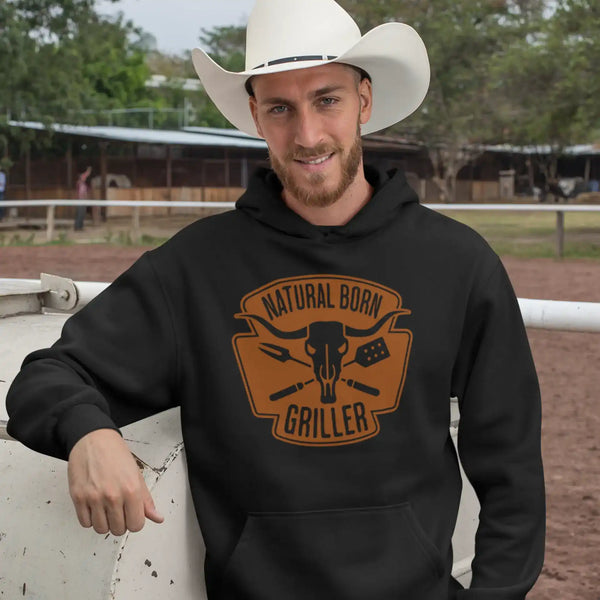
(328, 101)
(311, 350)
(342, 349)
(278, 110)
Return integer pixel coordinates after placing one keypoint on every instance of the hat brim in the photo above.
(393, 55)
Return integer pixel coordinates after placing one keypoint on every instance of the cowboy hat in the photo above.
(296, 34)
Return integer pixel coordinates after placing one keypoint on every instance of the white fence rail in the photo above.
(558, 208)
(560, 315)
(537, 314)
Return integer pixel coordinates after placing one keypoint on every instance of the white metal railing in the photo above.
(558, 208)
(138, 203)
(561, 315)
(537, 314)
(3, 434)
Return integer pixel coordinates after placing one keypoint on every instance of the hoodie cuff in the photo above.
(79, 421)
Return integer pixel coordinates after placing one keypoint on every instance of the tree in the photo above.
(111, 65)
(462, 37)
(547, 83)
(579, 21)
(226, 46)
(59, 58)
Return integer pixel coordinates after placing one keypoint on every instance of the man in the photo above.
(2, 189)
(82, 193)
(314, 354)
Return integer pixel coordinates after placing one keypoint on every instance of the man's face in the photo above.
(310, 119)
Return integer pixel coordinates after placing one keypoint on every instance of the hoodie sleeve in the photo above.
(115, 363)
(499, 442)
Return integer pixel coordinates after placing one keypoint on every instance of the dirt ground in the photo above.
(568, 370)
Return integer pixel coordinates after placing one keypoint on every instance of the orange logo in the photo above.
(326, 356)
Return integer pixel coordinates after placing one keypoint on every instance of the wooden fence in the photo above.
(134, 209)
(160, 194)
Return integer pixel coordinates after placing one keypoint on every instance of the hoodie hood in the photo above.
(263, 202)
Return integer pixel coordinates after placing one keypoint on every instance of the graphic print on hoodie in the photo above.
(326, 357)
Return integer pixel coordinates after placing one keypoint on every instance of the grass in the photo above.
(16, 240)
(533, 234)
(121, 238)
(520, 233)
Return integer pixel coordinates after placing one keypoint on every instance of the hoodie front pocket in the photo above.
(379, 553)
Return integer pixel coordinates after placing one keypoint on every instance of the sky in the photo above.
(176, 24)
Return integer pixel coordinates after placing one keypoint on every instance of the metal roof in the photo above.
(236, 133)
(162, 81)
(200, 136)
(211, 136)
(577, 150)
(152, 136)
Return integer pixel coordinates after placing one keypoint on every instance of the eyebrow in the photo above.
(276, 100)
(327, 90)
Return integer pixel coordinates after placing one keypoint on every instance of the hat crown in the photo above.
(284, 29)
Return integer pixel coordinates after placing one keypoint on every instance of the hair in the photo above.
(360, 75)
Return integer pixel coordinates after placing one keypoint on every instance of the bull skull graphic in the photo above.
(326, 344)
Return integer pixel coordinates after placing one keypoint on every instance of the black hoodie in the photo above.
(314, 367)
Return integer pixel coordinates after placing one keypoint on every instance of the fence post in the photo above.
(560, 233)
(50, 210)
(136, 224)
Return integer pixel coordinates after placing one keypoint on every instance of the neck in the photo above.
(342, 210)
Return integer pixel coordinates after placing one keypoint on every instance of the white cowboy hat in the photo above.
(296, 34)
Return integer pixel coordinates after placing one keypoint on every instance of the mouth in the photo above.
(314, 162)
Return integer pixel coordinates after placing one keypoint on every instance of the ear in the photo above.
(365, 93)
(254, 111)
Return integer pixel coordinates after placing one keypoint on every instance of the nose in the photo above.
(308, 128)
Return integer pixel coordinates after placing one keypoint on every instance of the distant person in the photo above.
(2, 189)
(82, 194)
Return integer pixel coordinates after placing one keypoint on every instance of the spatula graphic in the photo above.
(370, 353)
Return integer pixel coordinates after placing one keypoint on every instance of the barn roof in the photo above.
(577, 150)
(191, 137)
(199, 136)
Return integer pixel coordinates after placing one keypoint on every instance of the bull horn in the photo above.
(284, 335)
(352, 331)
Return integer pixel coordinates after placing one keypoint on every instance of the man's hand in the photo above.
(106, 485)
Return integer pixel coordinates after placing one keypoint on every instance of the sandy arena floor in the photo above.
(567, 366)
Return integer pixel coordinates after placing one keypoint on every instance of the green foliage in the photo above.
(547, 82)
(503, 71)
(114, 70)
(226, 46)
(124, 238)
(60, 58)
(539, 85)
(171, 66)
(17, 240)
(151, 240)
(512, 71)
(580, 20)
(461, 38)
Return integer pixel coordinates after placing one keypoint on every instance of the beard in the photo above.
(315, 193)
